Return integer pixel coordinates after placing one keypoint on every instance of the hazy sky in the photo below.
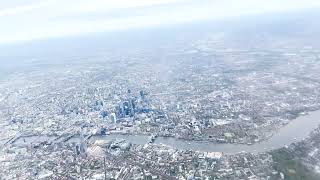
(24, 20)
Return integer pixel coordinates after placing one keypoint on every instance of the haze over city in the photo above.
(160, 89)
(34, 19)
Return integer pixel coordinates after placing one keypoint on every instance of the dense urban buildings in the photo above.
(207, 105)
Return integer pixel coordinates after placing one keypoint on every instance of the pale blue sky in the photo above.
(25, 20)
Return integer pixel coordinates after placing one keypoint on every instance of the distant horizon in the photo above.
(268, 22)
(35, 20)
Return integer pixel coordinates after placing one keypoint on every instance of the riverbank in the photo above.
(297, 130)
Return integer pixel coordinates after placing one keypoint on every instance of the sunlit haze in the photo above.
(34, 19)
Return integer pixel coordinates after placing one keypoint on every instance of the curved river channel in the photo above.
(296, 130)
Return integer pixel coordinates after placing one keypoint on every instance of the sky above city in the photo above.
(26, 20)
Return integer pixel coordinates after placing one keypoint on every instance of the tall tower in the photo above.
(83, 146)
(113, 118)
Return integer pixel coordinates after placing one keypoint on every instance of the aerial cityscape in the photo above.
(212, 102)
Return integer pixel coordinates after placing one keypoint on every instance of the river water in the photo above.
(296, 130)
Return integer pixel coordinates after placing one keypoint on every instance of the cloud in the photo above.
(23, 8)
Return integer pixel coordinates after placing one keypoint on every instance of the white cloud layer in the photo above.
(57, 18)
